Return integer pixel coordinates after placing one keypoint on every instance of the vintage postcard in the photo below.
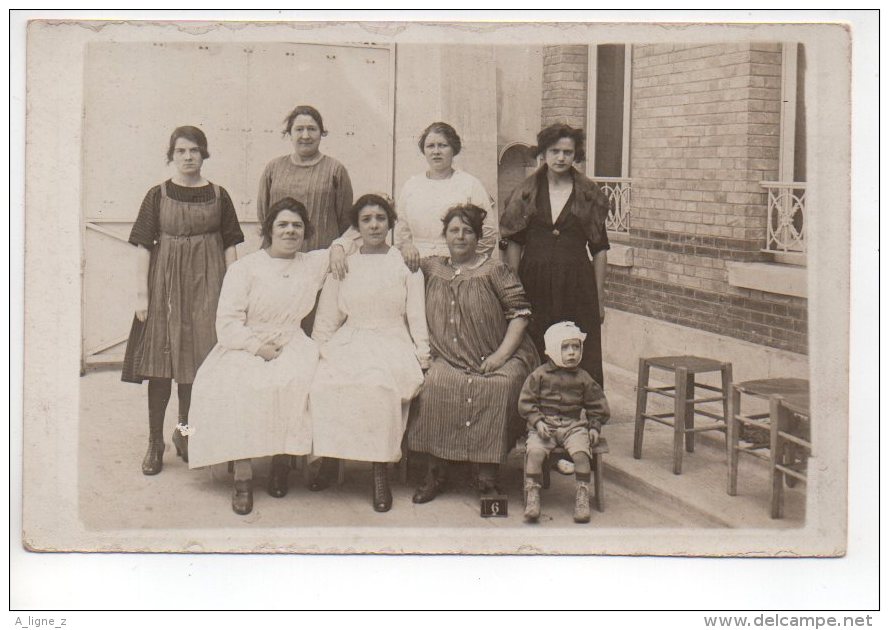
(702, 248)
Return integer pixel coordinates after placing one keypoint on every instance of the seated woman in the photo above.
(250, 395)
(477, 315)
(371, 329)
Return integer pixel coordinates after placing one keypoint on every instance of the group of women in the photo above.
(265, 366)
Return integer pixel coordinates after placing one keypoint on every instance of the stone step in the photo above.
(701, 488)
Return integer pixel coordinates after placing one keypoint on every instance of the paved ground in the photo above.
(114, 494)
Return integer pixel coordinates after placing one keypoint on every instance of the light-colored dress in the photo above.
(242, 405)
(424, 202)
(371, 328)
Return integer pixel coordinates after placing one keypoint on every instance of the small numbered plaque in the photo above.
(494, 505)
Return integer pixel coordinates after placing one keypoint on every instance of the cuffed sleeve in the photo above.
(510, 292)
(231, 313)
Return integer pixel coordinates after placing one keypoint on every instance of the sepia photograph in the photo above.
(487, 288)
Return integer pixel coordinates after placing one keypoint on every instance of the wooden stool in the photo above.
(763, 389)
(790, 428)
(596, 465)
(685, 404)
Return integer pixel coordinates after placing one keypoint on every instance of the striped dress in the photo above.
(187, 230)
(324, 188)
(465, 415)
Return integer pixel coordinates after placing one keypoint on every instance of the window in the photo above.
(608, 129)
(786, 198)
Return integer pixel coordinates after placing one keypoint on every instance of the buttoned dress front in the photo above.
(242, 405)
(465, 415)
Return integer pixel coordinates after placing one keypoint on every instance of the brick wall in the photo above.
(704, 133)
(564, 85)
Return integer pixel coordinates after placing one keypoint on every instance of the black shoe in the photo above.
(487, 486)
(327, 472)
(180, 441)
(242, 497)
(382, 492)
(153, 461)
(278, 482)
(430, 489)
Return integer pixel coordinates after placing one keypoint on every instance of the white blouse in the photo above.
(424, 202)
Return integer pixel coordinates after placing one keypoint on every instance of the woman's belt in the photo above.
(373, 324)
(184, 237)
(263, 327)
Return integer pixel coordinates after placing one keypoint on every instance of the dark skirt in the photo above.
(560, 283)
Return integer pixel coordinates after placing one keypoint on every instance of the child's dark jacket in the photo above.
(557, 395)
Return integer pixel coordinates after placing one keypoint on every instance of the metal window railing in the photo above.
(786, 231)
(617, 189)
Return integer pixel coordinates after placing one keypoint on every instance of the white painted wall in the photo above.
(519, 93)
(454, 84)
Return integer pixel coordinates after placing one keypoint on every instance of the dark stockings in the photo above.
(159, 390)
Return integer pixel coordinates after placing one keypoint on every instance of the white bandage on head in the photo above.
(556, 335)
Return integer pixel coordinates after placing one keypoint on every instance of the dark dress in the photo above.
(187, 231)
(555, 269)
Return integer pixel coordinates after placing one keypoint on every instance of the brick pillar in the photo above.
(564, 85)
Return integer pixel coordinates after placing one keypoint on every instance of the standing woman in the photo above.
(548, 223)
(426, 197)
(318, 181)
(323, 186)
(186, 234)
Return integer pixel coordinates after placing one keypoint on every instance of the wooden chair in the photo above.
(682, 418)
(758, 424)
(596, 464)
(790, 444)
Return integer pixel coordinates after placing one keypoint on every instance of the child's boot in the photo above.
(582, 502)
(532, 500)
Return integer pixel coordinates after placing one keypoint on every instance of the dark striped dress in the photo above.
(187, 231)
(465, 415)
(324, 188)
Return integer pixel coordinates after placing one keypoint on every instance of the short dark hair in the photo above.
(470, 214)
(552, 134)
(303, 110)
(287, 203)
(372, 199)
(189, 133)
(444, 129)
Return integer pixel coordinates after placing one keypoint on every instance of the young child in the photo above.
(564, 407)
